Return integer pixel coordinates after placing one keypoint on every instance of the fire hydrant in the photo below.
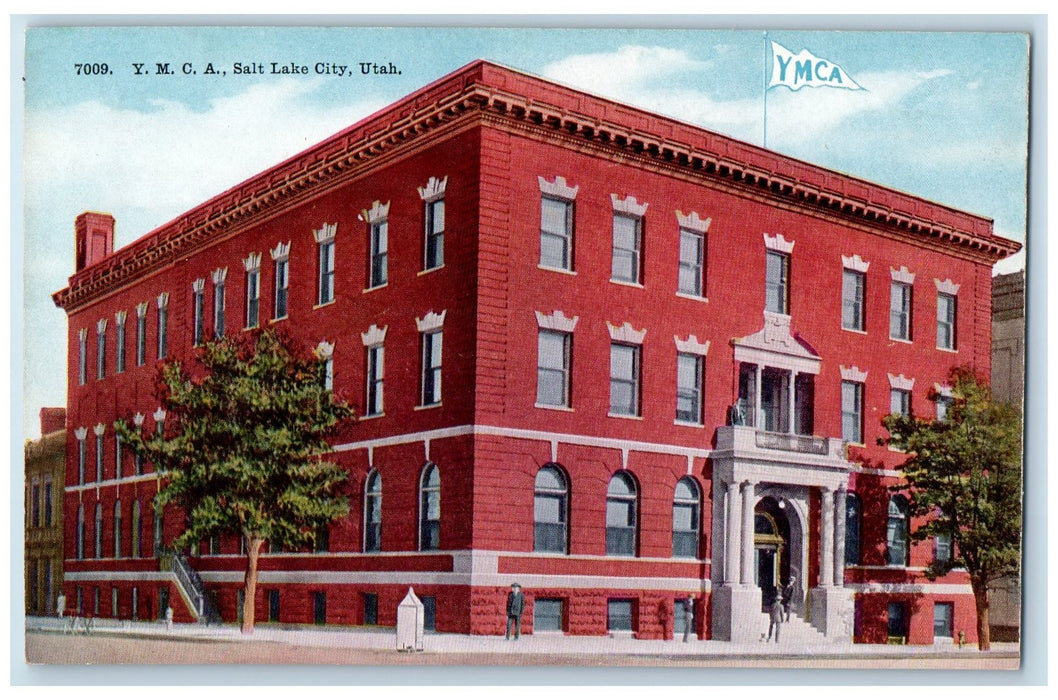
(962, 638)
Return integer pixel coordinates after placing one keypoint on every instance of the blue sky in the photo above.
(943, 116)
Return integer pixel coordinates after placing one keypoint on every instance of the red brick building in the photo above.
(611, 356)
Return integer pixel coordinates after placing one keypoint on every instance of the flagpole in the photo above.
(765, 139)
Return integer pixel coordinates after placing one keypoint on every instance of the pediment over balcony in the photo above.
(775, 346)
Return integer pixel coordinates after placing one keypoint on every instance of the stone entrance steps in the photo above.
(795, 633)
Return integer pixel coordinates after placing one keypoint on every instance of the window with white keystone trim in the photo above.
(433, 196)
(198, 311)
(692, 248)
(431, 337)
(141, 334)
(82, 356)
(163, 325)
(219, 300)
(282, 283)
(554, 359)
(101, 349)
(99, 455)
(900, 401)
(946, 316)
(81, 434)
(777, 282)
(325, 263)
(374, 350)
(689, 378)
(377, 219)
(252, 266)
(557, 224)
(900, 311)
(852, 411)
(625, 377)
(853, 293)
(119, 342)
(627, 248)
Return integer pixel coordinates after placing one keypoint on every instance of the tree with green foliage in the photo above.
(962, 477)
(243, 447)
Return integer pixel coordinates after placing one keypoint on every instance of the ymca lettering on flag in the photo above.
(805, 69)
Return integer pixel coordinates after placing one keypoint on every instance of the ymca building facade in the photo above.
(616, 358)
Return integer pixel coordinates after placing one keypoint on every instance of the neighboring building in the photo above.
(1008, 385)
(666, 354)
(45, 477)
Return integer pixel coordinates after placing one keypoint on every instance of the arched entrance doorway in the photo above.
(771, 547)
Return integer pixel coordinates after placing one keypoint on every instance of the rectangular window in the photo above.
(777, 282)
(48, 505)
(624, 379)
(852, 412)
(95, 601)
(553, 368)
(253, 297)
(689, 388)
(431, 368)
(556, 233)
(946, 310)
(273, 605)
(328, 374)
(319, 607)
(198, 314)
(282, 282)
(900, 311)
(942, 620)
(113, 601)
(379, 253)
(119, 345)
(82, 357)
(163, 340)
(81, 458)
(900, 401)
(547, 615)
(117, 456)
(435, 235)
(429, 612)
(35, 505)
(619, 615)
(627, 248)
(370, 608)
(101, 353)
(897, 623)
(375, 374)
(218, 309)
(852, 296)
(692, 263)
(942, 547)
(943, 404)
(141, 339)
(325, 293)
(99, 457)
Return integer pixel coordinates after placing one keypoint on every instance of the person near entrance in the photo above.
(787, 598)
(515, 607)
(775, 617)
(688, 617)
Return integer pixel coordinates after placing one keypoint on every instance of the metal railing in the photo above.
(191, 584)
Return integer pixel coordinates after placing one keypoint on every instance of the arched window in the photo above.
(550, 510)
(80, 531)
(896, 532)
(373, 512)
(117, 529)
(137, 525)
(685, 518)
(99, 531)
(621, 516)
(430, 508)
(852, 528)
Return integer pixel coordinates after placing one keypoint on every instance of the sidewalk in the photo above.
(384, 639)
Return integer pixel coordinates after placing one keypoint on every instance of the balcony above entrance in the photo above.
(743, 452)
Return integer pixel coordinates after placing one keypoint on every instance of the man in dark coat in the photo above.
(515, 607)
(775, 616)
(787, 598)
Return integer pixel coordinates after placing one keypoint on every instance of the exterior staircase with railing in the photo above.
(190, 585)
(797, 633)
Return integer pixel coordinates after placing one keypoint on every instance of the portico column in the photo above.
(839, 537)
(758, 413)
(826, 537)
(734, 509)
(792, 403)
(748, 489)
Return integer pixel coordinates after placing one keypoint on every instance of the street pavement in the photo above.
(555, 645)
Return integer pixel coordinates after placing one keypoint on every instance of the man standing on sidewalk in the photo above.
(515, 607)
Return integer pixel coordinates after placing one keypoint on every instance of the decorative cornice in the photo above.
(557, 188)
(901, 382)
(691, 346)
(477, 92)
(853, 374)
(219, 275)
(101, 326)
(325, 350)
(141, 309)
(374, 335)
(99, 429)
(378, 213)
(626, 334)
(281, 251)
(693, 222)
(556, 321)
(946, 287)
(431, 321)
(629, 205)
(778, 243)
(325, 233)
(80, 433)
(903, 275)
(855, 263)
(252, 262)
(434, 190)
(163, 300)
(199, 285)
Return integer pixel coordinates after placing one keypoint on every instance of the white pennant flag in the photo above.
(805, 69)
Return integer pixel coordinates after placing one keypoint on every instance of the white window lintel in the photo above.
(691, 346)
(629, 205)
(557, 188)
(374, 335)
(626, 334)
(901, 382)
(431, 321)
(693, 222)
(434, 189)
(556, 321)
(325, 233)
(778, 243)
(377, 213)
(946, 286)
(903, 275)
(855, 263)
(281, 251)
(853, 374)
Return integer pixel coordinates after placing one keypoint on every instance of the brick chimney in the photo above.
(94, 233)
(52, 420)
